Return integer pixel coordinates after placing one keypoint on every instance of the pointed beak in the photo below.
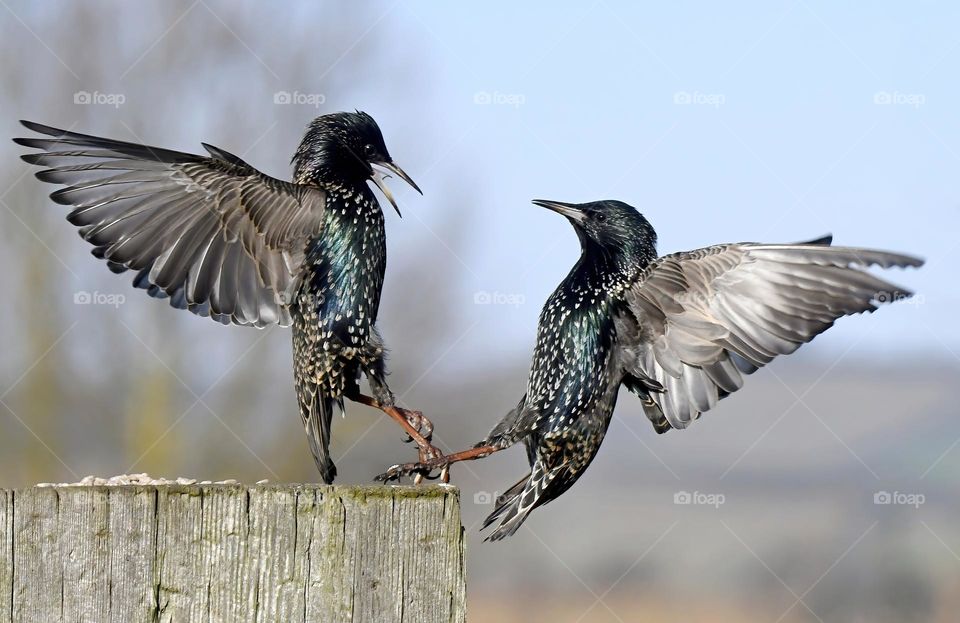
(379, 177)
(569, 210)
(393, 168)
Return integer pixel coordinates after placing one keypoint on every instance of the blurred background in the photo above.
(825, 491)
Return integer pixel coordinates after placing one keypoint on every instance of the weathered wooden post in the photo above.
(231, 553)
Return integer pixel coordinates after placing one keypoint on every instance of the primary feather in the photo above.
(221, 239)
(213, 234)
(680, 331)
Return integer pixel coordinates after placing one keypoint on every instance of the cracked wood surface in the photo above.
(231, 553)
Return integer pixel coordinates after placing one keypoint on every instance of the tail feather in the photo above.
(503, 501)
(516, 503)
(316, 409)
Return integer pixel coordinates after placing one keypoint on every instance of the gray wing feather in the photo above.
(213, 234)
(697, 322)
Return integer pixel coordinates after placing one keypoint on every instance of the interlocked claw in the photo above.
(419, 426)
(428, 452)
(420, 422)
(441, 461)
(420, 470)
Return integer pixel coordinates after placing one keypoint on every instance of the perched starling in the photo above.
(679, 331)
(221, 239)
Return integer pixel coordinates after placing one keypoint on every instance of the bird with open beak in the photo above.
(219, 238)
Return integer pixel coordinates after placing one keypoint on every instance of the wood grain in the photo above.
(231, 553)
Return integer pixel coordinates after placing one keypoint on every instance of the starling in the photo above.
(221, 239)
(679, 331)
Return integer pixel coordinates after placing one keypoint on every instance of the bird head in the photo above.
(346, 148)
(609, 228)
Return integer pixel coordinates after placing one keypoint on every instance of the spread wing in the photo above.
(212, 233)
(696, 322)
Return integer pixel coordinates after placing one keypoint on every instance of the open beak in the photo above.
(569, 210)
(379, 177)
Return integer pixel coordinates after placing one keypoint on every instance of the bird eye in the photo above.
(369, 149)
(601, 217)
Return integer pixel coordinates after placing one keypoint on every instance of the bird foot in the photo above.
(420, 470)
(418, 428)
(424, 428)
(419, 421)
(425, 468)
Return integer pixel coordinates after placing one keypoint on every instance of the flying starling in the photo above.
(219, 238)
(679, 331)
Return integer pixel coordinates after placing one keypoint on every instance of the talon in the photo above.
(427, 428)
(417, 420)
(438, 461)
(393, 473)
(420, 471)
(430, 454)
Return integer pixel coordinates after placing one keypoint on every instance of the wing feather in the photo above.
(212, 233)
(697, 322)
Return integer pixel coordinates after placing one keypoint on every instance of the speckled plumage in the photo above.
(571, 391)
(574, 378)
(335, 311)
(220, 239)
(678, 331)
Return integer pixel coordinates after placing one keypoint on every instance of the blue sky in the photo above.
(769, 122)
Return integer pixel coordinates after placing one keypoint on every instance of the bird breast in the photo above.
(345, 267)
